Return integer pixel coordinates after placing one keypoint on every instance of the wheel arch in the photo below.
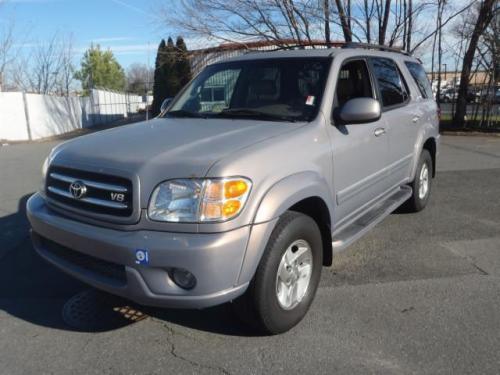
(305, 192)
(317, 209)
(431, 146)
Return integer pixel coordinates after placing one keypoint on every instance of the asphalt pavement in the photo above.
(420, 294)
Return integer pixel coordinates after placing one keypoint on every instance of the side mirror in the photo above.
(165, 104)
(360, 110)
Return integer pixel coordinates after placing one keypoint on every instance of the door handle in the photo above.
(379, 131)
(415, 119)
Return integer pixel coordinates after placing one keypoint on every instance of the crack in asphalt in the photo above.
(173, 350)
(479, 268)
(468, 258)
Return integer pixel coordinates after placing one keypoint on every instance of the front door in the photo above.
(360, 151)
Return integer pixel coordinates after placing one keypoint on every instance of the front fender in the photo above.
(278, 199)
(291, 190)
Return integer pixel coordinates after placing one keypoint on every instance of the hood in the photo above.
(162, 149)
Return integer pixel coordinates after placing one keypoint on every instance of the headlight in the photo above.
(199, 200)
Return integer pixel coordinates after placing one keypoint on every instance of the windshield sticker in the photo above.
(141, 257)
(310, 100)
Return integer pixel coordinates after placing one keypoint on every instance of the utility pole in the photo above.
(326, 11)
(147, 87)
(445, 65)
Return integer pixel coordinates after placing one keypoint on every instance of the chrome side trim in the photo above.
(94, 184)
(95, 201)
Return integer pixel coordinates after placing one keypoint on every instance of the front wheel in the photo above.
(422, 183)
(287, 277)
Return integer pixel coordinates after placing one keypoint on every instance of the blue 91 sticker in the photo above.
(141, 257)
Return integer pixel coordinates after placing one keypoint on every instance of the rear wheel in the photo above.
(422, 183)
(287, 277)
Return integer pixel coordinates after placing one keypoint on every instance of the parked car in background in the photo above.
(262, 168)
(449, 95)
(488, 95)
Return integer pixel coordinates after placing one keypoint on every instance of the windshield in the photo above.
(274, 90)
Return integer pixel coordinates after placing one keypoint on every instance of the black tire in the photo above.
(417, 203)
(259, 306)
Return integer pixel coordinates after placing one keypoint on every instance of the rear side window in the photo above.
(418, 74)
(392, 88)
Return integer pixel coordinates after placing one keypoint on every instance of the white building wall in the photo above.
(53, 115)
(12, 117)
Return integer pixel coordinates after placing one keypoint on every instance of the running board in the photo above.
(354, 231)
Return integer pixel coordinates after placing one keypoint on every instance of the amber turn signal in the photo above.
(235, 188)
(231, 208)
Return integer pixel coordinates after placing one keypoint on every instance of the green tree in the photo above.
(99, 69)
(171, 78)
(165, 79)
(159, 85)
(172, 71)
(182, 64)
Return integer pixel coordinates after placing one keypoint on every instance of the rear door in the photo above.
(359, 150)
(400, 118)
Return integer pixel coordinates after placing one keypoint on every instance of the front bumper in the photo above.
(101, 255)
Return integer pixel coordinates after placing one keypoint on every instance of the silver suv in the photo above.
(260, 170)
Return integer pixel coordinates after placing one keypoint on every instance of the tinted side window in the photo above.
(418, 74)
(390, 82)
(353, 82)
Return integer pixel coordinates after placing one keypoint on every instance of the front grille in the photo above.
(94, 192)
(112, 272)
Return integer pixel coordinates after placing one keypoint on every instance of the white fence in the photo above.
(33, 116)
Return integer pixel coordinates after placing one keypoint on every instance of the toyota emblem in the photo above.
(77, 189)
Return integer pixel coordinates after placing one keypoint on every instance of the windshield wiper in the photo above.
(184, 113)
(245, 112)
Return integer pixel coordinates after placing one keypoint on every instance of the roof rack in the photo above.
(335, 44)
(306, 44)
(374, 46)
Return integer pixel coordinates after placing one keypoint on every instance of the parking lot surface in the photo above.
(420, 294)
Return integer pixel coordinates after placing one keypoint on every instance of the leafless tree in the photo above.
(238, 20)
(326, 19)
(399, 23)
(345, 19)
(485, 14)
(139, 79)
(66, 69)
(453, 13)
(8, 52)
(382, 11)
(49, 68)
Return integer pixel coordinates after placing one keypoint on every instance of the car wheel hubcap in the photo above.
(294, 274)
(424, 181)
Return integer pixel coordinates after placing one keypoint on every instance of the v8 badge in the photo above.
(141, 256)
